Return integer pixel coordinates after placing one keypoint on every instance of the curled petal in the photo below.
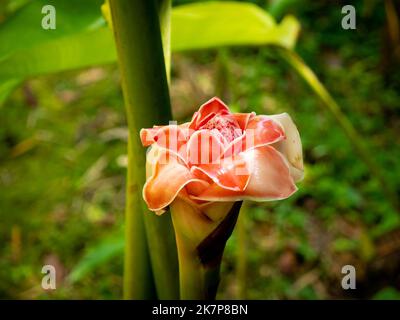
(264, 130)
(260, 131)
(208, 110)
(205, 146)
(147, 136)
(170, 137)
(243, 119)
(170, 176)
(230, 173)
(291, 146)
(270, 179)
(196, 187)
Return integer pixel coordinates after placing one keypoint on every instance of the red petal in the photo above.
(170, 176)
(211, 108)
(270, 179)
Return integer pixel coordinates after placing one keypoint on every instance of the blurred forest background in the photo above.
(63, 163)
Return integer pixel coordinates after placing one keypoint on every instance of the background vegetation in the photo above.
(63, 163)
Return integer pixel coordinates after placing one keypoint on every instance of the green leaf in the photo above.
(23, 30)
(82, 39)
(78, 51)
(215, 24)
(97, 256)
(28, 50)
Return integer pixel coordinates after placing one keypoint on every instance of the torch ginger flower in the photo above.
(203, 170)
(222, 157)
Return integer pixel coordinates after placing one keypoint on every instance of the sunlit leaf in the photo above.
(214, 24)
(82, 39)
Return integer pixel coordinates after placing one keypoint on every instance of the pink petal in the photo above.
(265, 130)
(147, 135)
(243, 119)
(212, 107)
(270, 179)
(205, 146)
(291, 147)
(196, 187)
(260, 131)
(170, 176)
(171, 137)
(230, 173)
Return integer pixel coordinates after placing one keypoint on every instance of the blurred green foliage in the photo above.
(62, 167)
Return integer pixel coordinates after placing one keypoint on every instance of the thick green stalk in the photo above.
(164, 13)
(163, 249)
(196, 281)
(222, 74)
(140, 54)
(366, 156)
(198, 274)
(137, 260)
(201, 242)
(191, 273)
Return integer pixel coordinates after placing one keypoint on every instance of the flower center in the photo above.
(229, 128)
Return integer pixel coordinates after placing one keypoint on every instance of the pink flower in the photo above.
(221, 156)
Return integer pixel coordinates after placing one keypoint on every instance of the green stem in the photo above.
(308, 75)
(140, 54)
(191, 274)
(164, 13)
(201, 242)
(196, 281)
(222, 75)
(137, 260)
